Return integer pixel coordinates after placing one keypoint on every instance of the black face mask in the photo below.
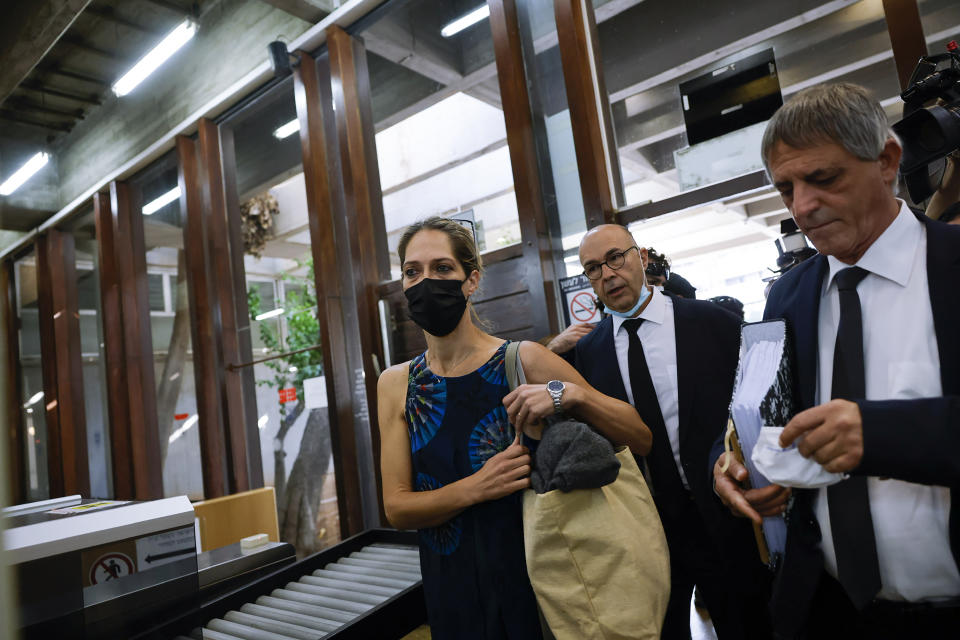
(436, 305)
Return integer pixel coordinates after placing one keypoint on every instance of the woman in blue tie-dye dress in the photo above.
(452, 466)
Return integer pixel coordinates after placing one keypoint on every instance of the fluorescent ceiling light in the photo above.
(24, 173)
(472, 18)
(270, 314)
(287, 130)
(154, 205)
(155, 57)
(192, 420)
(34, 399)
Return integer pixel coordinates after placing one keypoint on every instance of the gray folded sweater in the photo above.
(571, 456)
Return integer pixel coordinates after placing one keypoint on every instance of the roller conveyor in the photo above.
(366, 587)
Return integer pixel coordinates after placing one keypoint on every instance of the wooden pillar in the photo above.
(244, 348)
(61, 254)
(48, 370)
(534, 227)
(366, 230)
(14, 432)
(207, 368)
(906, 36)
(600, 180)
(237, 422)
(118, 401)
(325, 202)
(138, 380)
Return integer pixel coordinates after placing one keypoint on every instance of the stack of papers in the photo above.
(763, 397)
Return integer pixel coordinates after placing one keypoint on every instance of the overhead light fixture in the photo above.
(470, 19)
(24, 173)
(287, 130)
(34, 399)
(192, 420)
(155, 205)
(155, 57)
(269, 314)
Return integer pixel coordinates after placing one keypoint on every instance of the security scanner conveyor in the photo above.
(107, 569)
(366, 587)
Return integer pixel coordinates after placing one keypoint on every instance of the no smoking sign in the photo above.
(581, 302)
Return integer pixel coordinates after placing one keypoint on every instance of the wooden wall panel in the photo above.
(48, 367)
(224, 317)
(593, 138)
(139, 378)
(366, 230)
(906, 36)
(207, 368)
(118, 401)
(242, 313)
(324, 202)
(14, 427)
(69, 363)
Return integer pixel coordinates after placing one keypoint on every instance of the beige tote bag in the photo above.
(597, 558)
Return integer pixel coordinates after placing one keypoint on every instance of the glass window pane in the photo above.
(172, 352)
(296, 448)
(91, 344)
(425, 87)
(650, 48)
(31, 380)
(155, 292)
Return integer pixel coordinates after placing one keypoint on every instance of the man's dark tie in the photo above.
(667, 485)
(849, 504)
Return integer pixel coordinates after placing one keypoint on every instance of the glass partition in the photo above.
(91, 345)
(441, 139)
(294, 426)
(726, 246)
(169, 303)
(31, 379)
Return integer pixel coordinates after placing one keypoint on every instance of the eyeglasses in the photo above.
(615, 261)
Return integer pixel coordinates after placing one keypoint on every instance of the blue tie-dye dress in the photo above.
(474, 573)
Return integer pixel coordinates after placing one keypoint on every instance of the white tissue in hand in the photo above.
(787, 467)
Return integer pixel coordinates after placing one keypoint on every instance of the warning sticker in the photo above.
(581, 302)
(288, 395)
(170, 546)
(108, 562)
(111, 566)
(90, 506)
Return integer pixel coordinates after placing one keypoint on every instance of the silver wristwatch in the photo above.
(555, 388)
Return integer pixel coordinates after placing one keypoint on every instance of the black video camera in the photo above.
(928, 134)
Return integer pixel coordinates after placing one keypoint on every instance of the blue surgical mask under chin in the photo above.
(626, 315)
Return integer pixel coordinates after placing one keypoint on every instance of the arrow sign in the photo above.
(154, 557)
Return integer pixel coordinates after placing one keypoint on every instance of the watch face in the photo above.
(555, 386)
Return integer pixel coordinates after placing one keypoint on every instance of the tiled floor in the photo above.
(700, 627)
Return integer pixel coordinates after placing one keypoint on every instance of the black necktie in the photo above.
(848, 501)
(667, 483)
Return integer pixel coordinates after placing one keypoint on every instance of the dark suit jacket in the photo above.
(708, 344)
(915, 440)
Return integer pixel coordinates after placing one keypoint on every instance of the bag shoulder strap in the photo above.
(511, 357)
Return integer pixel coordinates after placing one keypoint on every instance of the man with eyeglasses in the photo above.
(675, 361)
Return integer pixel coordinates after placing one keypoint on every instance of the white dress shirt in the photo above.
(901, 360)
(659, 339)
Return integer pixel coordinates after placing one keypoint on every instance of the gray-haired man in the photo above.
(874, 318)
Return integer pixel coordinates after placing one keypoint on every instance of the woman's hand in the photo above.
(503, 474)
(528, 404)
